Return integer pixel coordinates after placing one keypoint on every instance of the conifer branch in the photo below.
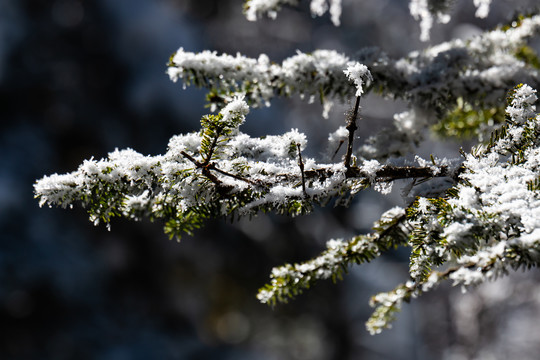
(290, 280)
(476, 227)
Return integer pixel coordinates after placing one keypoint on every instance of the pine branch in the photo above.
(482, 226)
(464, 64)
(289, 280)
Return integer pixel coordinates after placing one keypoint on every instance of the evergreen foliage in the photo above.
(474, 219)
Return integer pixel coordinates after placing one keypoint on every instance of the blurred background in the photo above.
(81, 78)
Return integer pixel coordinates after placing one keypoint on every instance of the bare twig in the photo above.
(190, 158)
(211, 166)
(351, 127)
(206, 172)
(339, 147)
(301, 164)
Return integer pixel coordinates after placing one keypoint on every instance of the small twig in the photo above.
(339, 147)
(213, 167)
(190, 158)
(206, 171)
(301, 164)
(351, 127)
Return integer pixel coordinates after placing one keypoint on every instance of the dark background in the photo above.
(81, 78)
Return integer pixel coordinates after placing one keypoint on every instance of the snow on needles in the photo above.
(317, 74)
(479, 72)
(236, 108)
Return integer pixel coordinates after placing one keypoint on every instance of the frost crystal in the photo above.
(359, 74)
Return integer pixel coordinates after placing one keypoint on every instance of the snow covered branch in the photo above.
(479, 219)
(218, 172)
(486, 225)
(478, 72)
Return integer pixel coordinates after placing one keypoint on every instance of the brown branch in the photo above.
(190, 158)
(351, 127)
(206, 171)
(385, 174)
(389, 173)
(222, 188)
(339, 147)
(213, 167)
(301, 164)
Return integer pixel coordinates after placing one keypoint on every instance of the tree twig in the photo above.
(351, 127)
(301, 164)
(206, 172)
(211, 166)
(339, 147)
